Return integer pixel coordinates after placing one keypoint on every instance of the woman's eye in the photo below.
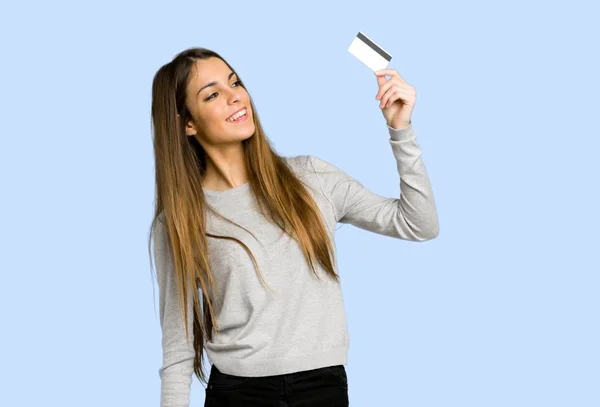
(211, 95)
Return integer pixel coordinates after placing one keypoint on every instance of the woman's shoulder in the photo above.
(298, 163)
(161, 217)
(306, 163)
(310, 163)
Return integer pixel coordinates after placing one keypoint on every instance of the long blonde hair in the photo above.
(180, 166)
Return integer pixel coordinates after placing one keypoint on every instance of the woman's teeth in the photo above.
(237, 116)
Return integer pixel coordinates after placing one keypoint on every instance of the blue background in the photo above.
(501, 309)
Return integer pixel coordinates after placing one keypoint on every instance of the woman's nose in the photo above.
(235, 96)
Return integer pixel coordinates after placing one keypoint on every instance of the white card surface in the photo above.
(369, 53)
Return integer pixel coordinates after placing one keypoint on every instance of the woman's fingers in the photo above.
(390, 72)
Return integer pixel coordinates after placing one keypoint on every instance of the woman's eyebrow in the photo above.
(213, 83)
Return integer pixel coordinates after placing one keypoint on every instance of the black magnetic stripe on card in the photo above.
(375, 48)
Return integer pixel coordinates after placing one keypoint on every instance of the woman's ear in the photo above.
(190, 129)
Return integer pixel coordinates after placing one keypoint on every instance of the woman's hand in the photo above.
(397, 97)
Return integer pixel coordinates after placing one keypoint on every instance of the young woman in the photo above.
(244, 239)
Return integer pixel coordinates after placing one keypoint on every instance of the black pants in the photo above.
(323, 387)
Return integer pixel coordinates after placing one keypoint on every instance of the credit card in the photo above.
(369, 53)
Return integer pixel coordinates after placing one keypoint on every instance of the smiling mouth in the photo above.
(239, 118)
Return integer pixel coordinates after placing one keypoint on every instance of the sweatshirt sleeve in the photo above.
(411, 216)
(177, 355)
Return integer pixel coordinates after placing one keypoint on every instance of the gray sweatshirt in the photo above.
(302, 324)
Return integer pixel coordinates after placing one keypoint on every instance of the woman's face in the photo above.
(213, 95)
